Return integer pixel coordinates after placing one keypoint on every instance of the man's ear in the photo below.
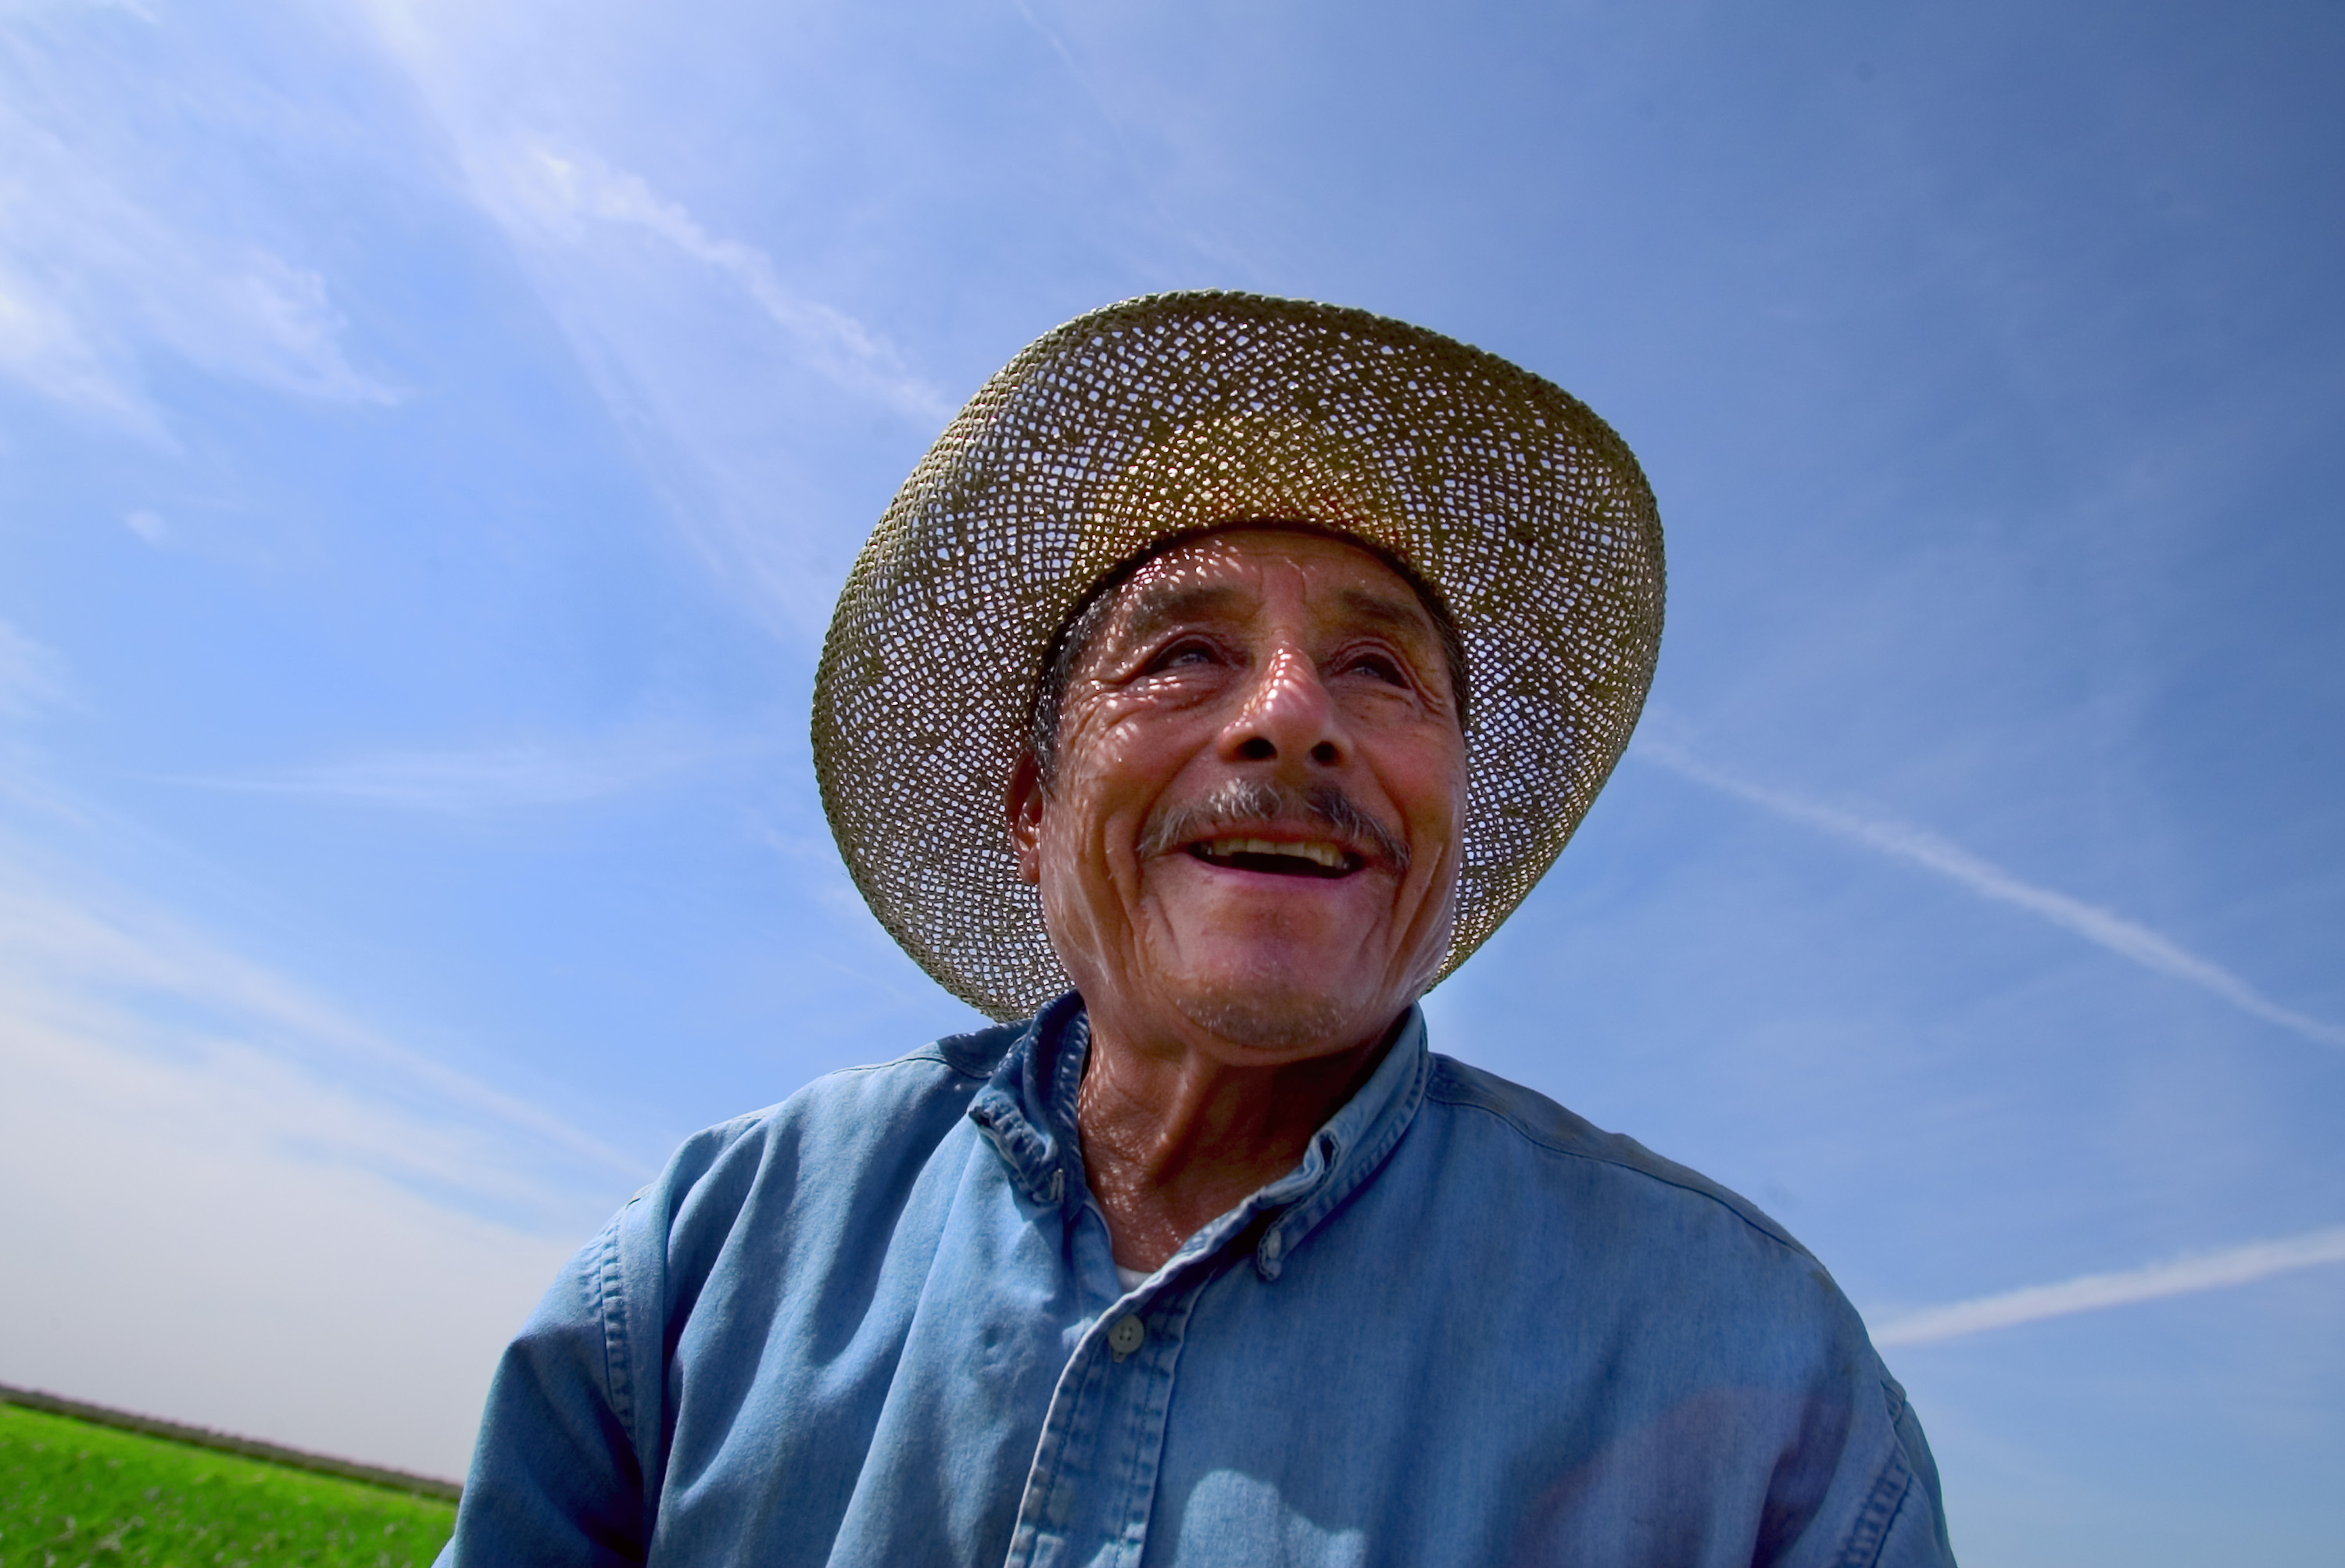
(1023, 804)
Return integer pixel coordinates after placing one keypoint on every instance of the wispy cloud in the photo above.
(485, 779)
(733, 369)
(1067, 57)
(109, 252)
(227, 1179)
(214, 1230)
(1113, 116)
(559, 187)
(75, 959)
(1918, 847)
(31, 675)
(2091, 1292)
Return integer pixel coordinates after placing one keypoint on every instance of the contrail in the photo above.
(1918, 847)
(837, 344)
(461, 781)
(2090, 1292)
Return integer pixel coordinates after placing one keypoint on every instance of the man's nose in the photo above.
(1287, 715)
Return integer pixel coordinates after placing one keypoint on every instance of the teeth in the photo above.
(1326, 855)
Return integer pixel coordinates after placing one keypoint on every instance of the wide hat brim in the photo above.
(1164, 416)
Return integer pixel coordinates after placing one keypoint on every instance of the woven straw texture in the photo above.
(1179, 411)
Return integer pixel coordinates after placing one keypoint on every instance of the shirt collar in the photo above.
(1027, 1111)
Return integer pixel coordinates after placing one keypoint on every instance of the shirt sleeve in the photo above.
(1916, 1533)
(555, 1477)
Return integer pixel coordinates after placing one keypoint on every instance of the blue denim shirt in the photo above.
(880, 1324)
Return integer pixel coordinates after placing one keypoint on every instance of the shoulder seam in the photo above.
(934, 1053)
(1529, 1137)
(926, 1056)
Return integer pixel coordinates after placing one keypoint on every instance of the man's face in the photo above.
(1251, 841)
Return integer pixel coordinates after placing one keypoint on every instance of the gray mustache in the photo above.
(1244, 801)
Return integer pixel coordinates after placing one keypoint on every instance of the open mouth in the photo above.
(1308, 859)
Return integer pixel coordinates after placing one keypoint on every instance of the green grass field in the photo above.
(73, 1493)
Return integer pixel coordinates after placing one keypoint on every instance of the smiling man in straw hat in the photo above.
(1224, 675)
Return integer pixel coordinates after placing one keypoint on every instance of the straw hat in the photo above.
(1164, 416)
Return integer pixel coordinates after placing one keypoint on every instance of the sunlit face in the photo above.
(1250, 839)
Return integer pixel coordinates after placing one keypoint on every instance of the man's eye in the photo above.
(1377, 666)
(1184, 655)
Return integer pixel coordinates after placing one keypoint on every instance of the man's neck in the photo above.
(1173, 1138)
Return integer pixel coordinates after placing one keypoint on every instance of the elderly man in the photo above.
(1292, 643)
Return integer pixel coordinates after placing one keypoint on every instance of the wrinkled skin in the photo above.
(1237, 995)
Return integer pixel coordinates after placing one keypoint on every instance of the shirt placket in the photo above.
(1091, 1488)
(1093, 1481)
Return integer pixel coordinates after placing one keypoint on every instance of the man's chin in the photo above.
(1288, 1024)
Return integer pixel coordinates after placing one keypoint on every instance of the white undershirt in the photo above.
(1129, 1279)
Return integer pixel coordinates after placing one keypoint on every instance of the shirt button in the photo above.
(1126, 1336)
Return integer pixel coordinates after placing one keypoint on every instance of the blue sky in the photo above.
(432, 436)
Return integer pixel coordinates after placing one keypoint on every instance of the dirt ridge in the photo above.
(250, 1448)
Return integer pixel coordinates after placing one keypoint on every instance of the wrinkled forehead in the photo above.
(1229, 575)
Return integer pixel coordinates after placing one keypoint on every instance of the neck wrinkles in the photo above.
(1172, 1140)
